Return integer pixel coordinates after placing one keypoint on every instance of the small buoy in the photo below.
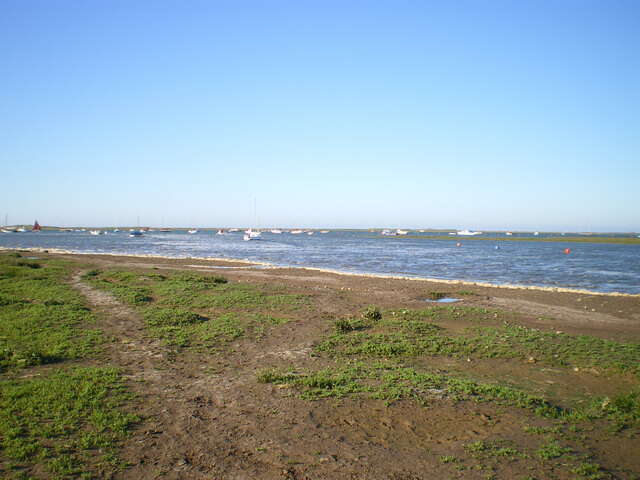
(497, 247)
(567, 251)
(458, 244)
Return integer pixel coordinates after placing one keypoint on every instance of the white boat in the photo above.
(276, 230)
(324, 231)
(467, 233)
(96, 232)
(536, 233)
(389, 233)
(251, 235)
(193, 230)
(21, 229)
(233, 230)
(296, 232)
(508, 233)
(402, 232)
(221, 232)
(116, 230)
(309, 233)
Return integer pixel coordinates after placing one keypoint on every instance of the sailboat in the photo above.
(136, 232)
(36, 227)
(6, 228)
(253, 234)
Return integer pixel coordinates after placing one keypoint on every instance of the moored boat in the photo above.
(251, 235)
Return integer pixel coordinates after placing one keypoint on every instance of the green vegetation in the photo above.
(65, 421)
(417, 332)
(192, 310)
(552, 449)
(390, 382)
(40, 316)
(485, 449)
(376, 357)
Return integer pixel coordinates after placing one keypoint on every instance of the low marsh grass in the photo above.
(391, 382)
(416, 332)
(192, 310)
(64, 421)
(42, 320)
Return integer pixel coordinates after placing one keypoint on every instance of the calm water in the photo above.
(598, 267)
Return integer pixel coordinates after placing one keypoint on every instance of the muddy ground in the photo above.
(206, 416)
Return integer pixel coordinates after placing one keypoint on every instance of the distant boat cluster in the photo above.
(256, 234)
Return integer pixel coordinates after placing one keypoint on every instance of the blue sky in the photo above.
(470, 114)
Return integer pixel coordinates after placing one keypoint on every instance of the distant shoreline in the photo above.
(585, 239)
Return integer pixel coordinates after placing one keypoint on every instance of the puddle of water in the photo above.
(443, 300)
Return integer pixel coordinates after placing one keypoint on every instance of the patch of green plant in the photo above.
(448, 459)
(552, 449)
(42, 319)
(68, 423)
(187, 309)
(558, 349)
(390, 382)
(487, 449)
(589, 471)
(538, 430)
(415, 332)
(372, 313)
(436, 295)
(174, 317)
(213, 333)
(260, 323)
(623, 410)
(343, 325)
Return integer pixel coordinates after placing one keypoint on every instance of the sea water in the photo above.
(591, 266)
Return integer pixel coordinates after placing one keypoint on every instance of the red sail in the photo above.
(36, 227)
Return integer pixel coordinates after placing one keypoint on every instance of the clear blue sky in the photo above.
(477, 114)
